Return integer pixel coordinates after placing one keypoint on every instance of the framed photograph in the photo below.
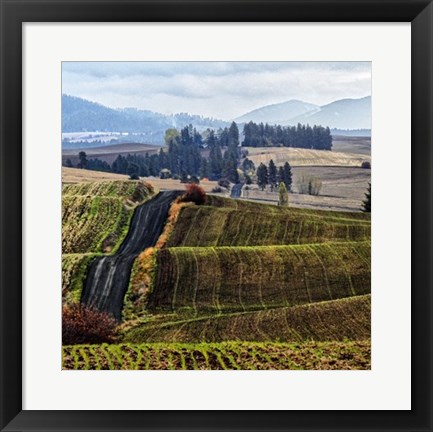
(199, 246)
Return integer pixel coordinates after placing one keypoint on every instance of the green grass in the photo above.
(226, 279)
(95, 220)
(222, 356)
(251, 224)
(74, 267)
(218, 201)
(337, 320)
(96, 216)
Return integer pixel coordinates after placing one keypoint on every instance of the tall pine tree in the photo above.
(262, 176)
(272, 174)
(287, 176)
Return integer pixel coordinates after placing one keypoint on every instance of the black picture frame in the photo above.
(15, 12)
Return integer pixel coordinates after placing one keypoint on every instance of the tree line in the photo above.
(213, 154)
(301, 136)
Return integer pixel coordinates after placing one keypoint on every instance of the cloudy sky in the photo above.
(223, 90)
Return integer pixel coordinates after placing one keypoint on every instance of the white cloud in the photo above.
(216, 89)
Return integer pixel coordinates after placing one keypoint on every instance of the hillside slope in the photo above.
(95, 220)
(250, 278)
(227, 222)
(95, 216)
(329, 320)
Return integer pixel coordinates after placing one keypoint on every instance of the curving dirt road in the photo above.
(108, 276)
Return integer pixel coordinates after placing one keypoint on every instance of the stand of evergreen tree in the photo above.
(183, 159)
(366, 204)
(301, 136)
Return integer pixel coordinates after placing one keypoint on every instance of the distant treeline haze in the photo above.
(211, 154)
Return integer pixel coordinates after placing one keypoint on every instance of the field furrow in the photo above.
(348, 355)
(330, 320)
(255, 278)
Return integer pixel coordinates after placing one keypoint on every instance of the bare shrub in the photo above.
(83, 325)
(194, 193)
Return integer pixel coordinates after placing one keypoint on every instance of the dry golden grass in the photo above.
(76, 175)
(305, 157)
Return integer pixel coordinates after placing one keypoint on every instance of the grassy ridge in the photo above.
(258, 225)
(251, 278)
(96, 216)
(95, 220)
(229, 355)
(337, 320)
(218, 201)
(74, 268)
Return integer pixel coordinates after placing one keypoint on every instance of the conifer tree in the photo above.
(262, 176)
(366, 204)
(83, 159)
(272, 174)
(204, 168)
(287, 176)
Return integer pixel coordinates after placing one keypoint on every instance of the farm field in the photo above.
(328, 320)
(252, 224)
(305, 157)
(343, 188)
(347, 144)
(223, 356)
(231, 284)
(110, 152)
(95, 216)
(252, 278)
(76, 175)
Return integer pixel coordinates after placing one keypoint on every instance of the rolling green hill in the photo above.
(230, 284)
(260, 277)
(95, 220)
(329, 320)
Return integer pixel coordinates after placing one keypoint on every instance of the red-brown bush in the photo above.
(83, 325)
(194, 193)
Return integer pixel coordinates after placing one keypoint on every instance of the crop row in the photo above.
(93, 224)
(348, 318)
(218, 201)
(116, 189)
(222, 226)
(251, 278)
(224, 356)
(96, 216)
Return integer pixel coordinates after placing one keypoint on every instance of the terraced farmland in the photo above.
(229, 355)
(330, 320)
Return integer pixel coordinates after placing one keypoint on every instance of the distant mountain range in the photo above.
(80, 115)
(341, 114)
(278, 113)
